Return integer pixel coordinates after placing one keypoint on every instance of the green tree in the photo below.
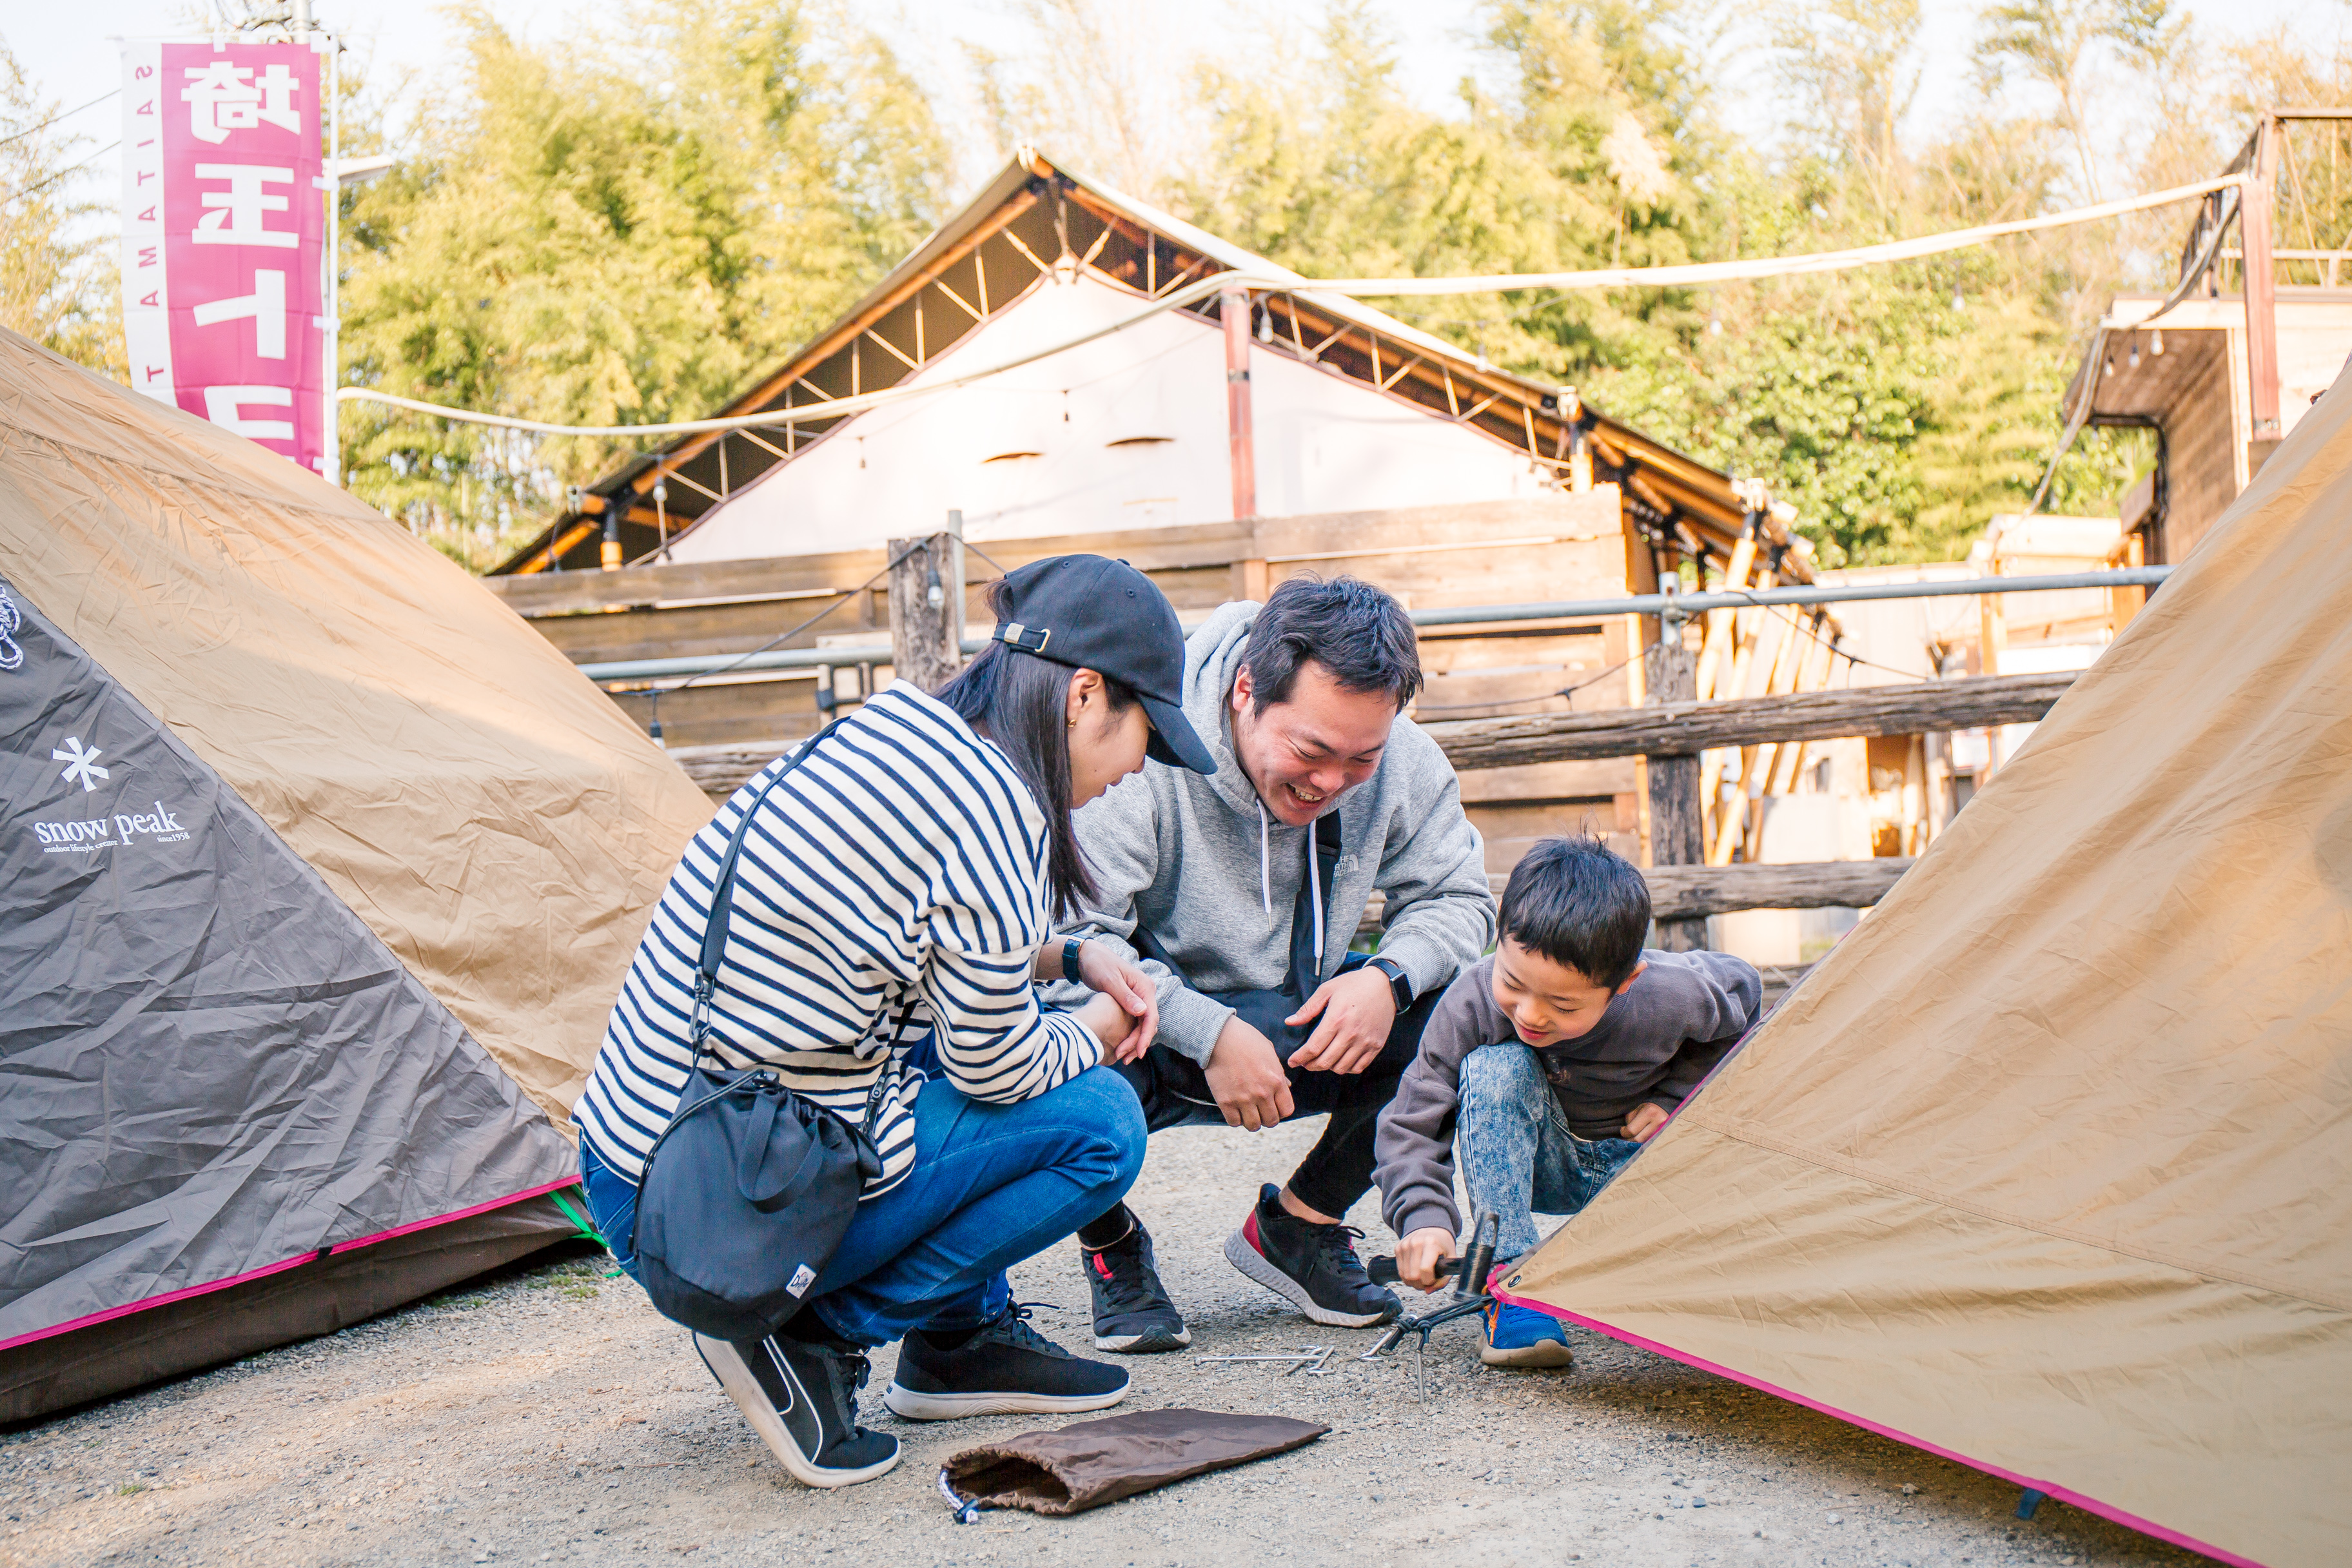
(57, 277)
(614, 229)
(1326, 167)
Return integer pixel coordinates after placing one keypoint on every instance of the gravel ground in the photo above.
(550, 1416)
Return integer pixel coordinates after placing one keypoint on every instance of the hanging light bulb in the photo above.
(2156, 341)
(2132, 359)
(2111, 365)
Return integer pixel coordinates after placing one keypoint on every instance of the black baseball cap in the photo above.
(1089, 612)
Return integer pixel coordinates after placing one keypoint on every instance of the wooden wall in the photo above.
(2205, 432)
(1559, 546)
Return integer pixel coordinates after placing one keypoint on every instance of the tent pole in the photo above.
(2261, 286)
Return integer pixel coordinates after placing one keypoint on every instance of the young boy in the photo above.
(1548, 1064)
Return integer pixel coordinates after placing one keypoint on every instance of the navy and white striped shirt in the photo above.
(905, 862)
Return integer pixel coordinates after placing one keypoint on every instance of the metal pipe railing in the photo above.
(1468, 615)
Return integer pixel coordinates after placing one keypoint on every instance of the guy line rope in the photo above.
(1289, 282)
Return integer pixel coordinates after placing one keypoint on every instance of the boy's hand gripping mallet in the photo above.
(1484, 1229)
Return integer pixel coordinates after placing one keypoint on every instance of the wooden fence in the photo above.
(1564, 545)
(1557, 546)
(1522, 775)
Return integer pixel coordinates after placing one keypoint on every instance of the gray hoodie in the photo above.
(1215, 877)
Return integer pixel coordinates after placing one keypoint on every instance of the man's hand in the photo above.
(1643, 1124)
(1246, 1074)
(1110, 1024)
(1420, 1252)
(1357, 1009)
(1101, 969)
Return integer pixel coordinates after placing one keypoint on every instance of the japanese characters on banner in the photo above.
(224, 229)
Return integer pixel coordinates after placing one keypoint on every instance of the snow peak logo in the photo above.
(82, 763)
(160, 826)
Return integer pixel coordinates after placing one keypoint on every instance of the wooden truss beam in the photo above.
(847, 334)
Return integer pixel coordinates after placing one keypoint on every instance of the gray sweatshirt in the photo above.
(1653, 1045)
(1198, 861)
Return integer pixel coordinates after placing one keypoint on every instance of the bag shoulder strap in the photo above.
(714, 945)
(722, 895)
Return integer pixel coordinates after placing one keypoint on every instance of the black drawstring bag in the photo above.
(749, 1190)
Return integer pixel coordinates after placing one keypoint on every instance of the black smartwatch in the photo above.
(1070, 957)
(1398, 986)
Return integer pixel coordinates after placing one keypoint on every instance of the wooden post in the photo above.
(922, 648)
(1636, 669)
(2123, 603)
(1720, 624)
(1234, 311)
(2261, 288)
(1757, 762)
(1724, 826)
(1676, 836)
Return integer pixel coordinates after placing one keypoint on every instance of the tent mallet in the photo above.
(1484, 1229)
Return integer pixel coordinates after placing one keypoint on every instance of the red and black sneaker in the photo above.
(1313, 1266)
(1132, 1313)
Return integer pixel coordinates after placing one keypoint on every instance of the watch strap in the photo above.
(1398, 986)
(1070, 957)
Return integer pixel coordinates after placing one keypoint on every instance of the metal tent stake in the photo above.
(1484, 1229)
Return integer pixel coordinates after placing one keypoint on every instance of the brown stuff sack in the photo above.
(1096, 1462)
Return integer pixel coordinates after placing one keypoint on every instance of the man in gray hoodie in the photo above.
(1241, 892)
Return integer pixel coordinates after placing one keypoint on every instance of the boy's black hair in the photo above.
(1582, 904)
(1349, 627)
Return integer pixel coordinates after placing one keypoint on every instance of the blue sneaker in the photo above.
(1521, 1336)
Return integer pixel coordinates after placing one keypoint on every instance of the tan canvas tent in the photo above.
(310, 941)
(2049, 1166)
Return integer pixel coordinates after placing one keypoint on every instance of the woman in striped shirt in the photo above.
(890, 919)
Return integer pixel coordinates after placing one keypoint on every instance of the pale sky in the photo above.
(68, 49)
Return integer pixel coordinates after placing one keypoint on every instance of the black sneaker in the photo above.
(801, 1398)
(1004, 1368)
(1312, 1267)
(1132, 1314)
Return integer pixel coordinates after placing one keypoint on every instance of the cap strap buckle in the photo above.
(1016, 634)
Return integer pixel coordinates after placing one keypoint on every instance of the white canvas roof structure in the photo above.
(1354, 411)
(1127, 432)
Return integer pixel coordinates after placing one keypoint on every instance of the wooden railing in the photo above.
(1557, 546)
(1694, 892)
(1685, 729)
(724, 732)
(1686, 893)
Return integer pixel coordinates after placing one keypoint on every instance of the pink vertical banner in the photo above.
(223, 235)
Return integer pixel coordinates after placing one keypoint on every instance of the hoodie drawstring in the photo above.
(1315, 883)
(1265, 864)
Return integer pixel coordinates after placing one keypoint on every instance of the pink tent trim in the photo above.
(170, 1296)
(2047, 1489)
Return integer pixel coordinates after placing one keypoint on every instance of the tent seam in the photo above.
(204, 484)
(1860, 1172)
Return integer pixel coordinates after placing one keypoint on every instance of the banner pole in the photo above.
(331, 64)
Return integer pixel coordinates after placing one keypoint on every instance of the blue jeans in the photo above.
(991, 1186)
(1517, 1155)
